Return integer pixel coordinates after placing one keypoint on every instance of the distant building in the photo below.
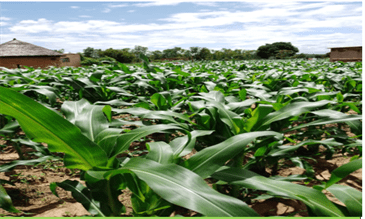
(16, 53)
(71, 59)
(346, 54)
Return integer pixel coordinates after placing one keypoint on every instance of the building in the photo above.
(71, 59)
(346, 54)
(16, 54)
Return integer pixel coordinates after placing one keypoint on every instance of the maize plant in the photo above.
(224, 125)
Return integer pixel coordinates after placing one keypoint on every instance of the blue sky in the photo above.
(312, 26)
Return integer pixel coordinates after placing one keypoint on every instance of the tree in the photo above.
(218, 55)
(272, 50)
(194, 51)
(175, 53)
(92, 53)
(249, 54)
(282, 54)
(121, 55)
(228, 54)
(157, 54)
(60, 50)
(187, 54)
(140, 49)
(204, 54)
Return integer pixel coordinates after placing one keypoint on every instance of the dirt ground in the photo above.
(31, 193)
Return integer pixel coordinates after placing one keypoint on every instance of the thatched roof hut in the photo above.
(16, 48)
(17, 54)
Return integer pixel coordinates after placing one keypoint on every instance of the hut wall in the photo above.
(30, 61)
(71, 60)
(346, 54)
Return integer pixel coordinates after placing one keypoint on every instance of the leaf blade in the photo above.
(43, 125)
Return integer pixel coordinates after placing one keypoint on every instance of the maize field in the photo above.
(209, 138)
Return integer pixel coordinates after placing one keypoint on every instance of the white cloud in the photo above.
(118, 6)
(85, 16)
(109, 7)
(106, 10)
(329, 10)
(268, 18)
(42, 25)
(176, 2)
(158, 3)
(209, 4)
(74, 7)
(312, 27)
(5, 18)
(131, 11)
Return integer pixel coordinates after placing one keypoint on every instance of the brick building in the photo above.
(15, 54)
(346, 54)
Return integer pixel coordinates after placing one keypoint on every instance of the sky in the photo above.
(312, 26)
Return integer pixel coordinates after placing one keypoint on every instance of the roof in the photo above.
(20, 48)
(346, 47)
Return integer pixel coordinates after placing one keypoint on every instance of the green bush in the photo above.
(120, 55)
(100, 61)
(272, 50)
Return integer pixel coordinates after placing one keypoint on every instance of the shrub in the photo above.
(270, 50)
(100, 61)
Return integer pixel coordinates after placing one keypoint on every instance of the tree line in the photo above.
(278, 50)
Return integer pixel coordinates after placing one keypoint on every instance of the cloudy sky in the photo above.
(73, 26)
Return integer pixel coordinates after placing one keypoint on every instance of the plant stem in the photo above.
(19, 151)
(113, 207)
(238, 162)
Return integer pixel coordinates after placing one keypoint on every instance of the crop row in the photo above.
(225, 123)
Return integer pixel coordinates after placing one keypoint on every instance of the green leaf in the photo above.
(342, 171)
(114, 102)
(71, 109)
(107, 110)
(239, 107)
(286, 149)
(339, 97)
(124, 68)
(138, 111)
(160, 152)
(91, 121)
(351, 197)
(43, 125)
(331, 116)
(120, 122)
(107, 139)
(314, 199)
(95, 77)
(126, 139)
(168, 116)
(215, 96)
(184, 188)
(292, 109)
(82, 194)
(208, 160)
(242, 94)
(225, 115)
(46, 92)
(151, 204)
(159, 100)
(9, 166)
(5, 201)
(181, 146)
(258, 114)
(10, 127)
